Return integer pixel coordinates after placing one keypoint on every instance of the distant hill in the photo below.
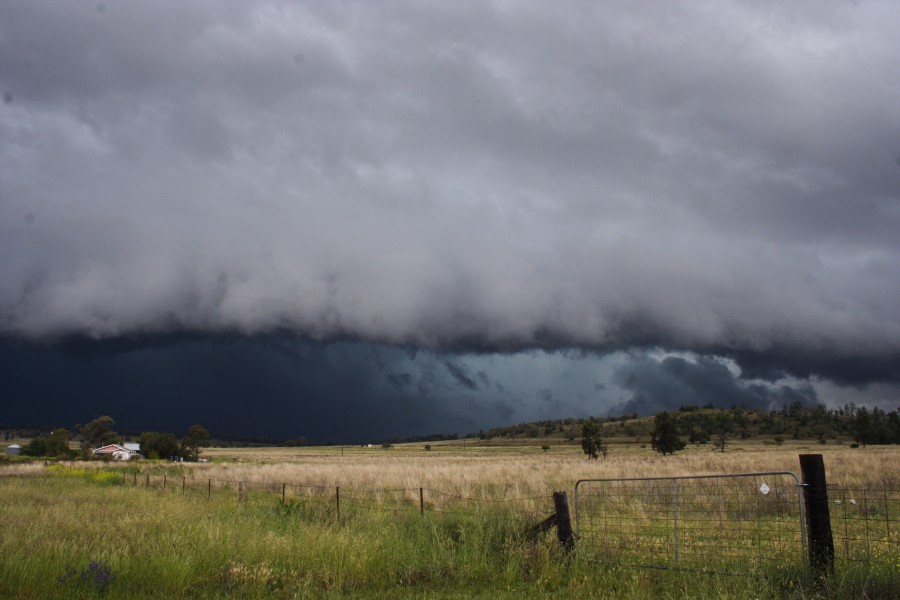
(702, 425)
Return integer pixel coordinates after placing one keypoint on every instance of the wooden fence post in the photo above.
(818, 519)
(282, 493)
(337, 501)
(421, 502)
(563, 522)
(182, 485)
(208, 489)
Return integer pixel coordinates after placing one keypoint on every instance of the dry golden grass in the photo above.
(23, 468)
(492, 472)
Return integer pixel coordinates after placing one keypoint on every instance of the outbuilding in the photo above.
(14, 449)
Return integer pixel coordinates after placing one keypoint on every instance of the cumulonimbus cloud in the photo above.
(470, 177)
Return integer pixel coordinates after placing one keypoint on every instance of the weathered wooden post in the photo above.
(818, 519)
(563, 522)
(337, 501)
(282, 493)
(421, 502)
(208, 489)
(182, 485)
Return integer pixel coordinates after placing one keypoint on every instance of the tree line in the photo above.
(706, 424)
(99, 433)
(867, 427)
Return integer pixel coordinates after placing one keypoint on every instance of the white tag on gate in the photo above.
(764, 489)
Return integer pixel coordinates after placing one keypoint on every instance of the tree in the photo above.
(698, 436)
(592, 440)
(197, 437)
(36, 447)
(159, 445)
(664, 437)
(864, 429)
(58, 442)
(724, 425)
(97, 433)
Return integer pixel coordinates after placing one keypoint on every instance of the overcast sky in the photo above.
(542, 209)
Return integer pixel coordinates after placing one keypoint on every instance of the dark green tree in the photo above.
(159, 445)
(58, 442)
(664, 437)
(197, 437)
(37, 446)
(863, 427)
(592, 440)
(724, 425)
(97, 433)
(698, 436)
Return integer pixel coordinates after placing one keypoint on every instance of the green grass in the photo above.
(165, 545)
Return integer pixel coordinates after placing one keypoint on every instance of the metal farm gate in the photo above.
(736, 524)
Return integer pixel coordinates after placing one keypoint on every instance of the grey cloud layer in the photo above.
(457, 175)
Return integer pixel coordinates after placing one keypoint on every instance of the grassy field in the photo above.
(154, 542)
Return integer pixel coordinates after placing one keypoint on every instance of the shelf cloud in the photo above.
(465, 178)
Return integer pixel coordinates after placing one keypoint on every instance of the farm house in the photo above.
(117, 452)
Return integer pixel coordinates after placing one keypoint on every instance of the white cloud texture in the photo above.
(706, 176)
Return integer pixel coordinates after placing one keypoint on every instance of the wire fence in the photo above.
(336, 502)
(865, 526)
(734, 524)
(729, 524)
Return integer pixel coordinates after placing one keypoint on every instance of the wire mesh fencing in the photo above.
(734, 524)
(865, 524)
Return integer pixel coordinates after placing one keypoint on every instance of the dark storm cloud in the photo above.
(463, 176)
(460, 374)
(280, 388)
(844, 370)
(676, 381)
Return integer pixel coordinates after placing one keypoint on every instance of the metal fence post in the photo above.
(208, 489)
(815, 496)
(337, 501)
(282, 493)
(421, 502)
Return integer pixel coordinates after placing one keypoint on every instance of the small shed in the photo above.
(14, 449)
